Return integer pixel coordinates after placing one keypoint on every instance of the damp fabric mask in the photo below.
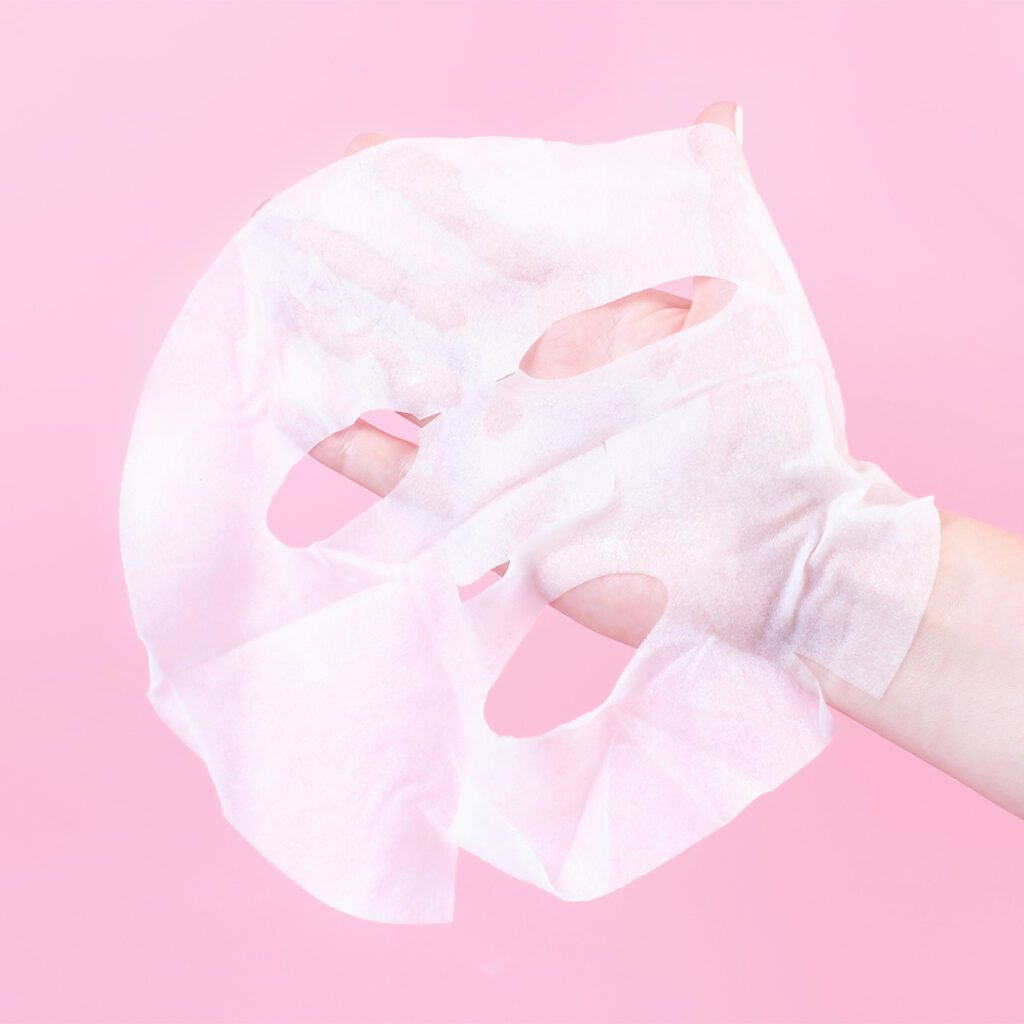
(336, 691)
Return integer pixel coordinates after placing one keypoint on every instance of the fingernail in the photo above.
(737, 123)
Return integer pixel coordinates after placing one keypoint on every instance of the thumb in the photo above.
(710, 294)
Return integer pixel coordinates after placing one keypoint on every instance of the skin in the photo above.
(957, 700)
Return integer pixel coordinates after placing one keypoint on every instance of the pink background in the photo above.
(135, 140)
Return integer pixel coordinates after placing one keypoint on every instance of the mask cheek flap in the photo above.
(694, 730)
(330, 744)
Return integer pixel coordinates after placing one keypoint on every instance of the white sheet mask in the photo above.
(336, 692)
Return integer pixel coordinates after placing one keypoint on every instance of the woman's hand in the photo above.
(958, 699)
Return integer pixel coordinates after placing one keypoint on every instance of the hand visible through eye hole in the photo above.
(957, 700)
(623, 607)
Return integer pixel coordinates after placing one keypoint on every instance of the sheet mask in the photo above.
(336, 692)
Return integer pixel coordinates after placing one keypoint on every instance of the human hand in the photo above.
(957, 700)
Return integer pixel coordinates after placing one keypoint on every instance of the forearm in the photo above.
(958, 699)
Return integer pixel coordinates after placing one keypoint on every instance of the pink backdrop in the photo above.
(135, 140)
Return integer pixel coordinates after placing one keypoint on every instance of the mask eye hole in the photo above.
(563, 669)
(595, 337)
(342, 476)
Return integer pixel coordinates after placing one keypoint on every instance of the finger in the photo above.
(594, 337)
(364, 141)
(710, 294)
(623, 606)
(727, 114)
(371, 457)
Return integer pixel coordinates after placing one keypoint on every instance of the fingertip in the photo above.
(364, 141)
(726, 113)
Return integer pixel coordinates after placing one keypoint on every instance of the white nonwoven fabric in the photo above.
(336, 692)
